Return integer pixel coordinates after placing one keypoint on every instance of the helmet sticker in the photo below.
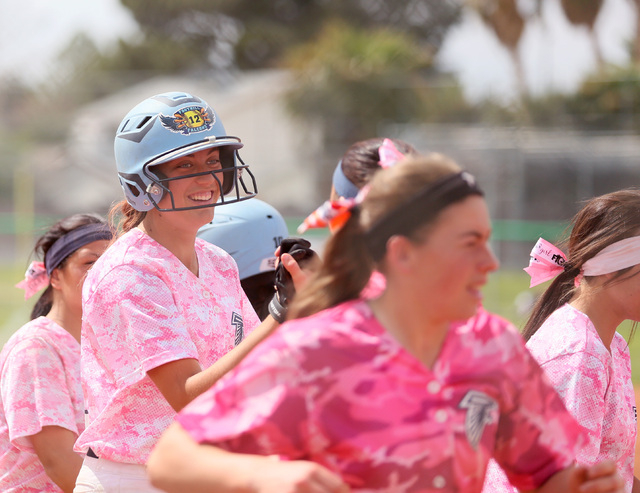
(189, 120)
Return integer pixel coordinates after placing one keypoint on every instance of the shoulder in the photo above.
(40, 335)
(566, 332)
(134, 259)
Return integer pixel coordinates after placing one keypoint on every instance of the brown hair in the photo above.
(360, 161)
(348, 264)
(123, 217)
(46, 241)
(602, 221)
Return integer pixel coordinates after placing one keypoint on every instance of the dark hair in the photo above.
(360, 161)
(347, 265)
(46, 241)
(602, 221)
(123, 217)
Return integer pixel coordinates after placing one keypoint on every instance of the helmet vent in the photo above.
(134, 190)
(143, 122)
(124, 126)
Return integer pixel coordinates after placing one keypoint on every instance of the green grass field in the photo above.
(506, 291)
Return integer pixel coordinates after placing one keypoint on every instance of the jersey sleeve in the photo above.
(581, 380)
(537, 437)
(259, 408)
(34, 392)
(137, 324)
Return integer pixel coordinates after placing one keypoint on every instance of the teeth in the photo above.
(202, 196)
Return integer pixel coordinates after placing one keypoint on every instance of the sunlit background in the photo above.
(538, 98)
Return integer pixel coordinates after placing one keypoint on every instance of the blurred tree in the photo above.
(504, 18)
(250, 34)
(608, 98)
(360, 77)
(354, 81)
(585, 13)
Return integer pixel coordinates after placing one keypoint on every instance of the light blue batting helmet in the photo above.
(168, 126)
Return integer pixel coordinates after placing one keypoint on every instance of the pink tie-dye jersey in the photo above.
(39, 386)
(595, 385)
(337, 389)
(143, 308)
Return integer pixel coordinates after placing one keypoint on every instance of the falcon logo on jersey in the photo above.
(480, 412)
(236, 320)
(189, 120)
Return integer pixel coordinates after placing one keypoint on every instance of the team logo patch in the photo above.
(236, 320)
(480, 412)
(189, 120)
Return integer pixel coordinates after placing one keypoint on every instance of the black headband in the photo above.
(74, 239)
(419, 209)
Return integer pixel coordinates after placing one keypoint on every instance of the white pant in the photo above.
(105, 476)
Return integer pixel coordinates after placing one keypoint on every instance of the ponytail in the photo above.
(123, 217)
(559, 292)
(43, 305)
(346, 269)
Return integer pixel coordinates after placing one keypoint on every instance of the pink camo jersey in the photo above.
(337, 389)
(39, 386)
(596, 388)
(143, 308)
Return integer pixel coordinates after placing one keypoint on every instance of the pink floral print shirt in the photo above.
(595, 385)
(337, 389)
(39, 386)
(143, 308)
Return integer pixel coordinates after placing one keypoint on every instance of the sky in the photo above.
(556, 55)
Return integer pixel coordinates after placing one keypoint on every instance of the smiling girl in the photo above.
(162, 308)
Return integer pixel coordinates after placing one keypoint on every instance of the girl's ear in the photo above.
(55, 280)
(400, 253)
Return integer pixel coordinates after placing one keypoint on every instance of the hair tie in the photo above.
(333, 213)
(546, 262)
(389, 154)
(35, 278)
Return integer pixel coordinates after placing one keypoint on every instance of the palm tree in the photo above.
(585, 13)
(503, 17)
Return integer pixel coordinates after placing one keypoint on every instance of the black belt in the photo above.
(91, 453)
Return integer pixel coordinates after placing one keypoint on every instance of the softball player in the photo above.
(163, 309)
(385, 394)
(41, 406)
(572, 331)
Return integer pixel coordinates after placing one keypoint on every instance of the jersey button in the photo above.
(439, 482)
(433, 387)
(206, 295)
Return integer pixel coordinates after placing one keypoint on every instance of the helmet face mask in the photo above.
(228, 179)
(169, 126)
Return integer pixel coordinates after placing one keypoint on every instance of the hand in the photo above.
(278, 476)
(599, 478)
(300, 274)
(299, 262)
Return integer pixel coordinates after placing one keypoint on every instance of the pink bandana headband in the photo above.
(547, 261)
(335, 213)
(35, 279)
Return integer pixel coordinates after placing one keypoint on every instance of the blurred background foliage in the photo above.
(368, 61)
